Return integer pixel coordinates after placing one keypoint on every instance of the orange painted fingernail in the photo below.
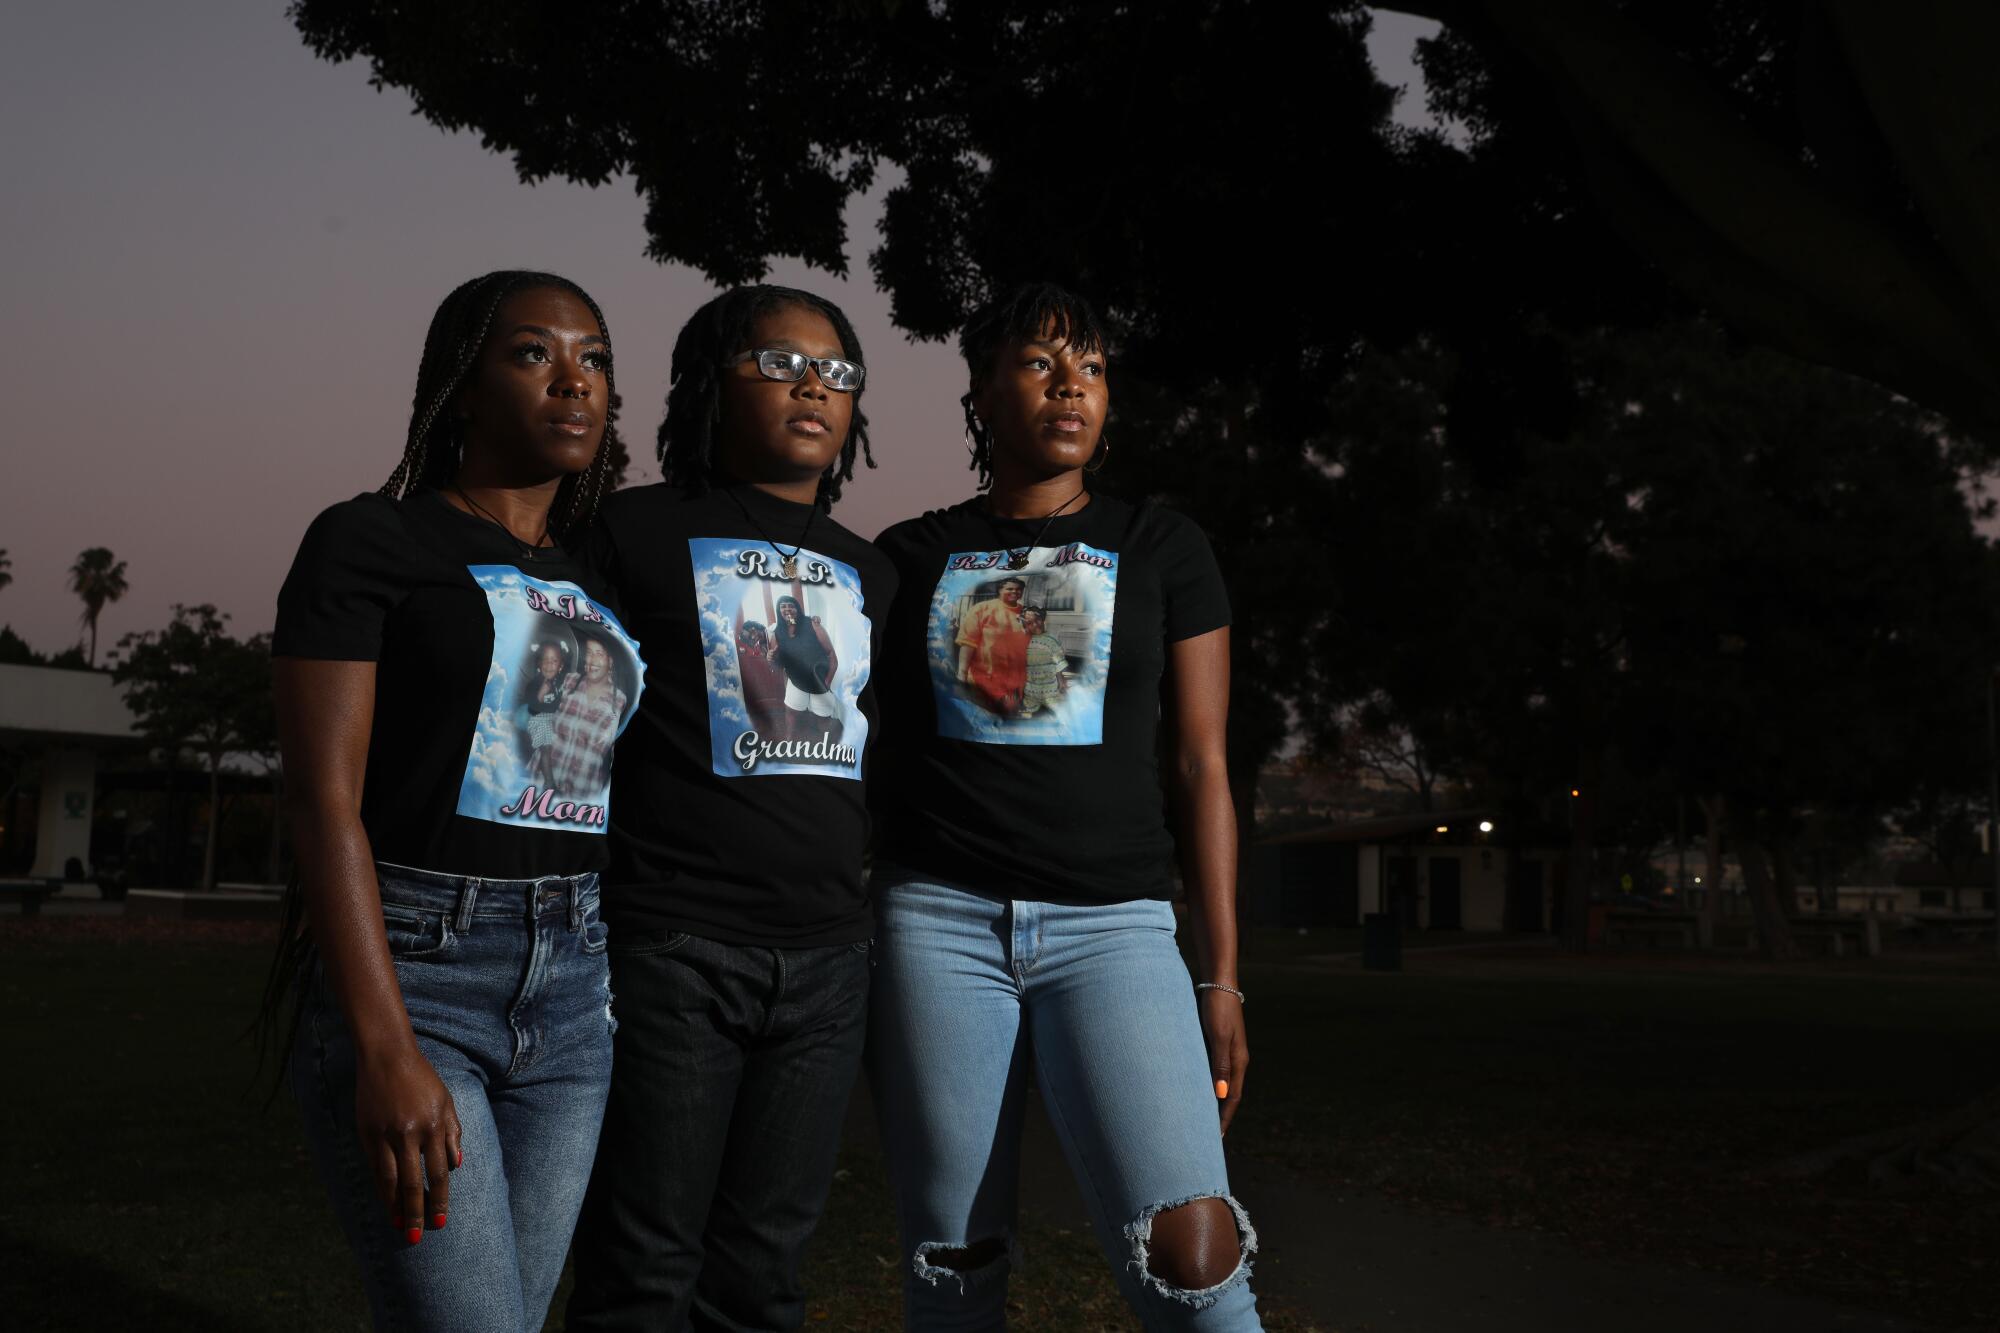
(1221, 1089)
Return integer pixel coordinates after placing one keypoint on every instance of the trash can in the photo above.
(1381, 942)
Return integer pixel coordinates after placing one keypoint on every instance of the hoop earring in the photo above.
(972, 431)
(1099, 458)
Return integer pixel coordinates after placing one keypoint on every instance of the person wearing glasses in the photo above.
(740, 928)
(1002, 959)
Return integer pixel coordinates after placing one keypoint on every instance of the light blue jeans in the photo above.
(974, 994)
(508, 990)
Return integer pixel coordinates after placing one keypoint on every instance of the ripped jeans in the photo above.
(974, 994)
(508, 990)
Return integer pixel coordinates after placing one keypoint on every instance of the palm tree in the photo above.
(6, 568)
(97, 577)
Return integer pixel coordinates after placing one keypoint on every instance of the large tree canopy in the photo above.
(1818, 173)
(1223, 177)
(1242, 238)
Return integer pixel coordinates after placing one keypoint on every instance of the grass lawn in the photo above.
(1632, 1105)
(147, 1186)
(1624, 1103)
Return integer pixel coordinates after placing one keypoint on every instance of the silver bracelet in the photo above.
(1216, 985)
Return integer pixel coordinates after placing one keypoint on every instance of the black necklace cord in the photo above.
(788, 560)
(528, 550)
(1021, 561)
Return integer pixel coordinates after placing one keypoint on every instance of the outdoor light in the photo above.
(1575, 792)
(1444, 828)
(1697, 879)
(1485, 826)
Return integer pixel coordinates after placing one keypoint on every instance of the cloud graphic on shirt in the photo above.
(493, 768)
(492, 763)
(725, 688)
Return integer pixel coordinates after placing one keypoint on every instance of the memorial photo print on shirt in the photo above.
(786, 659)
(1020, 644)
(564, 681)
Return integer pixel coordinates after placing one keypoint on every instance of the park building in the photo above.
(92, 809)
(1432, 870)
(55, 725)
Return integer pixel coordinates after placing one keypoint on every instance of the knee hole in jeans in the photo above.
(967, 1264)
(1193, 1249)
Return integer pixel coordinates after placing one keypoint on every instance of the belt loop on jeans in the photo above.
(467, 896)
(576, 904)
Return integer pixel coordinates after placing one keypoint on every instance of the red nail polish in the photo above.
(437, 1222)
(415, 1234)
(461, 1159)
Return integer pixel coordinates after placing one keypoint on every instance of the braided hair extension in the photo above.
(1032, 310)
(713, 334)
(433, 448)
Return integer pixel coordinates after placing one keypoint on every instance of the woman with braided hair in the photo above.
(452, 1041)
(1024, 875)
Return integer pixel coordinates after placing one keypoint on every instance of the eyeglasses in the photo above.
(776, 364)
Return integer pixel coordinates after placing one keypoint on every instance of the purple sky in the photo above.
(220, 255)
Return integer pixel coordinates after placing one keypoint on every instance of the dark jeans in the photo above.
(732, 1072)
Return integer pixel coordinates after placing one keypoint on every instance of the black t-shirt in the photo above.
(1020, 688)
(739, 813)
(501, 680)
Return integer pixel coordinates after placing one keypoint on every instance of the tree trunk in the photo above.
(214, 822)
(1252, 738)
(173, 850)
(1243, 795)
(275, 864)
(1715, 812)
(1774, 927)
(1582, 850)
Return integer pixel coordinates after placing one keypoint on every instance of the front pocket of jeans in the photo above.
(650, 944)
(414, 934)
(596, 935)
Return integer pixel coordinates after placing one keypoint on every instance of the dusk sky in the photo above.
(220, 256)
